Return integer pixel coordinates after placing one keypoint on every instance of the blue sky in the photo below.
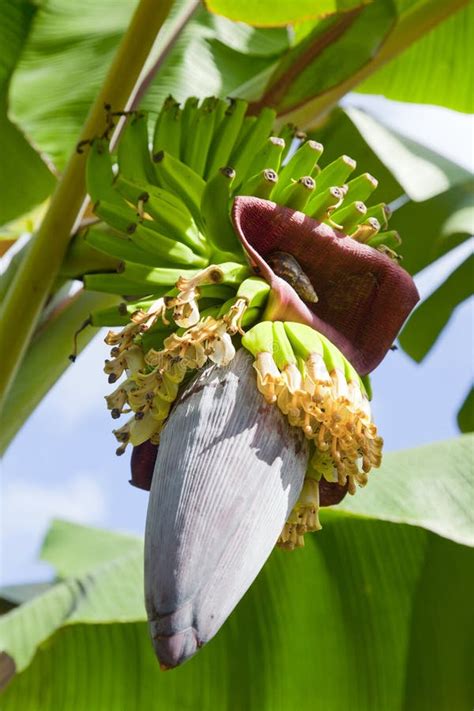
(62, 464)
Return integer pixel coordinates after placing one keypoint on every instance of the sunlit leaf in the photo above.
(350, 617)
(314, 65)
(421, 171)
(24, 179)
(434, 70)
(71, 47)
(466, 413)
(270, 13)
(430, 318)
(433, 227)
(429, 486)
(339, 53)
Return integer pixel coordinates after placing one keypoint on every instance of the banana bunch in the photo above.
(169, 207)
(190, 295)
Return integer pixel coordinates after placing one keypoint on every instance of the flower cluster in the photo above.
(154, 376)
(320, 392)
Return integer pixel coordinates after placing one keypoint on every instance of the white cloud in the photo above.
(27, 510)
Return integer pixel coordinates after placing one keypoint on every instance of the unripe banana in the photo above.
(133, 153)
(225, 137)
(167, 135)
(188, 118)
(320, 205)
(241, 160)
(390, 239)
(215, 211)
(99, 173)
(336, 173)
(179, 178)
(269, 156)
(119, 247)
(169, 213)
(361, 188)
(297, 195)
(301, 163)
(381, 212)
(203, 131)
(260, 185)
(348, 216)
(169, 251)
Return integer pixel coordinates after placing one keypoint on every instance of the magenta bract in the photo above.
(363, 296)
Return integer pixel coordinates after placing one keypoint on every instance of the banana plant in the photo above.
(255, 285)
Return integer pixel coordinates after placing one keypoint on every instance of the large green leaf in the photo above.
(433, 227)
(313, 66)
(73, 550)
(430, 318)
(24, 179)
(466, 413)
(430, 486)
(349, 619)
(434, 69)
(337, 54)
(270, 13)
(71, 46)
(402, 165)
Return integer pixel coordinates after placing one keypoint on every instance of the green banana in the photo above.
(170, 215)
(203, 130)
(260, 185)
(390, 239)
(121, 217)
(225, 136)
(118, 284)
(366, 230)
(140, 192)
(177, 177)
(283, 353)
(296, 195)
(288, 134)
(167, 135)
(241, 160)
(188, 118)
(348, 216)
(250, 317)
(255, 291)
(301, 163)
(120, 247)
(269, 156)
(336, 173)
(321, 204)
(259, 339)
(133, 154)
(361, 187)
(304, 340)
(215, 212)
(228, 273)
(168, 250)
(99, 173)
(381, 212)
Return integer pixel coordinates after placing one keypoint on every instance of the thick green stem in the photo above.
(413, 23)
(27, 294)
(48, 358)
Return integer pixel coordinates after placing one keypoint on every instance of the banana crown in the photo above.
(190, 296)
